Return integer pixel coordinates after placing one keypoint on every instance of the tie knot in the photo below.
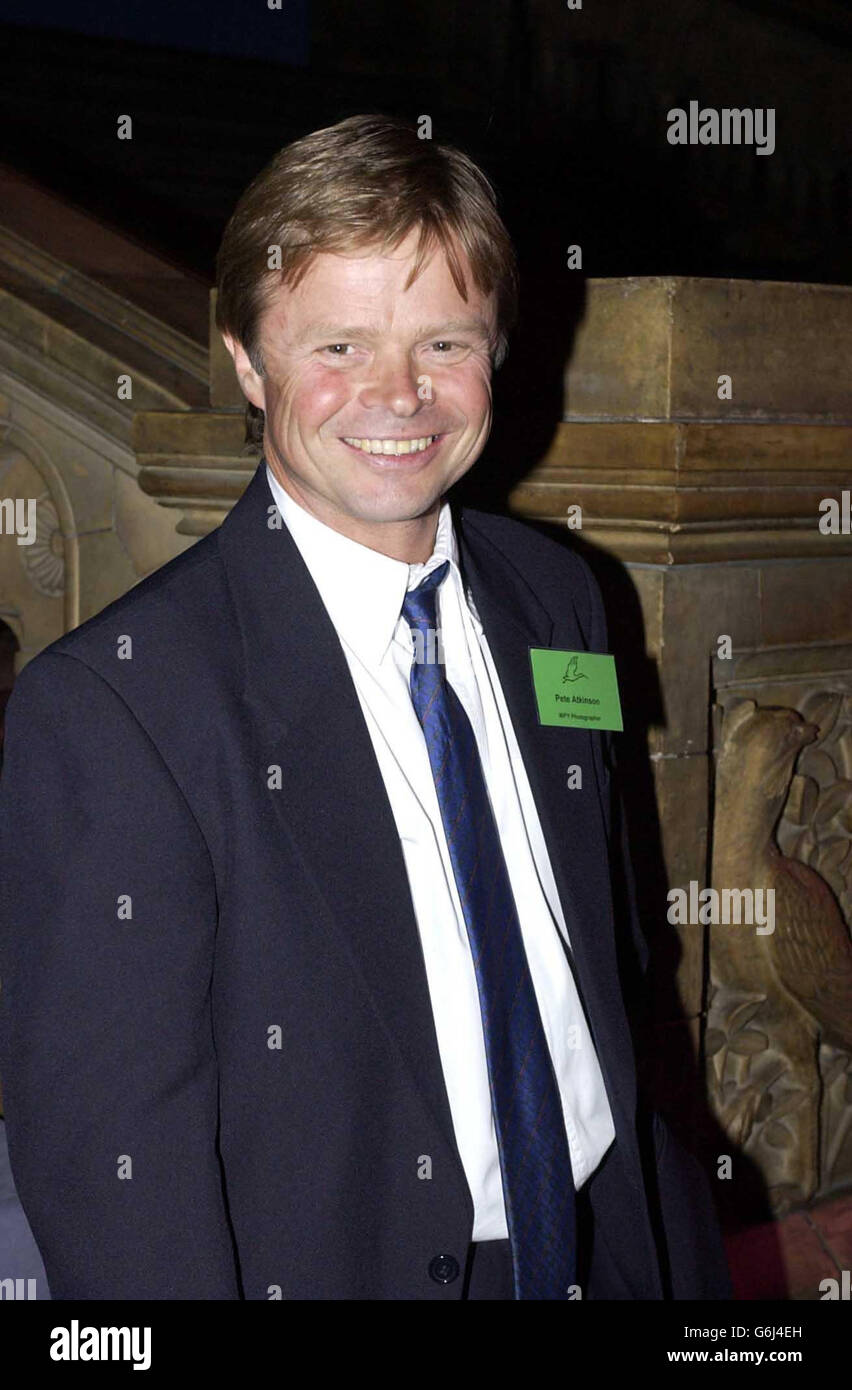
(419, 607)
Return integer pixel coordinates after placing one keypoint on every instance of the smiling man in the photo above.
(309, 953)
(373, 415)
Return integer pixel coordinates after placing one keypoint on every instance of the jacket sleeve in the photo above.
(108, 918)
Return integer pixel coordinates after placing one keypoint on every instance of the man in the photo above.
(309, 954)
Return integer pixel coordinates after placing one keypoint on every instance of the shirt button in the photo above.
(443, 1269)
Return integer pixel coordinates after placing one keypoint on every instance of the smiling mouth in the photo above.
(395, 448)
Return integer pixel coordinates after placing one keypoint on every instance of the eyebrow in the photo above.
(343, 332)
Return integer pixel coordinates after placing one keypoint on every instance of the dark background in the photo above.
(565, 109)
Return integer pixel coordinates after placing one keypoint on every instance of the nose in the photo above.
(392, 384)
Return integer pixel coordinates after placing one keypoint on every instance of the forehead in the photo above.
(371, 282)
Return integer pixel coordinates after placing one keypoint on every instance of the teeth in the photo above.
(392, 446)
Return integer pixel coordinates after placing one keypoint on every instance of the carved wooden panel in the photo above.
(778, 1041)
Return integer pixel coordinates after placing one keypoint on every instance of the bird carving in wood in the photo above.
(779, 994)
(810, 950)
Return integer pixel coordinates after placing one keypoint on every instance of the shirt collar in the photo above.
(363, 590)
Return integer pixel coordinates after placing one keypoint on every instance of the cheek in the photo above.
(317, 396)
(307, 398)
(475, 387)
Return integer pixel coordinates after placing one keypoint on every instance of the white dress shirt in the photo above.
(363, 592)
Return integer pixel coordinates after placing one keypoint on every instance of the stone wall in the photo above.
(78, 360)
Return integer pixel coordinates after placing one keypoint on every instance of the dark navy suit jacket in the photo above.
(220, 1066)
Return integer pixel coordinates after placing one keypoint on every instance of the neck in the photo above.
(411, 540)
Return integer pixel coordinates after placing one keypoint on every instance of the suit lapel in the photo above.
(333, 804)
(574, 827)
(572, 821)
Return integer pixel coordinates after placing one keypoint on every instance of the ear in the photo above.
(251, 383)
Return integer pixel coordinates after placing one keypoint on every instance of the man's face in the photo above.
(351, 356)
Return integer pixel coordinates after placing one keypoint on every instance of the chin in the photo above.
(396, 505)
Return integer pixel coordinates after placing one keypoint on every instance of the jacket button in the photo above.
(443, 1269)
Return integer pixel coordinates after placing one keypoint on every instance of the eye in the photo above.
(332, 348)
(444, 347)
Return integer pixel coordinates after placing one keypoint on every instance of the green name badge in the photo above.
(578, 690)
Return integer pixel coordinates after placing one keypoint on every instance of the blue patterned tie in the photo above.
(535, 1162)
